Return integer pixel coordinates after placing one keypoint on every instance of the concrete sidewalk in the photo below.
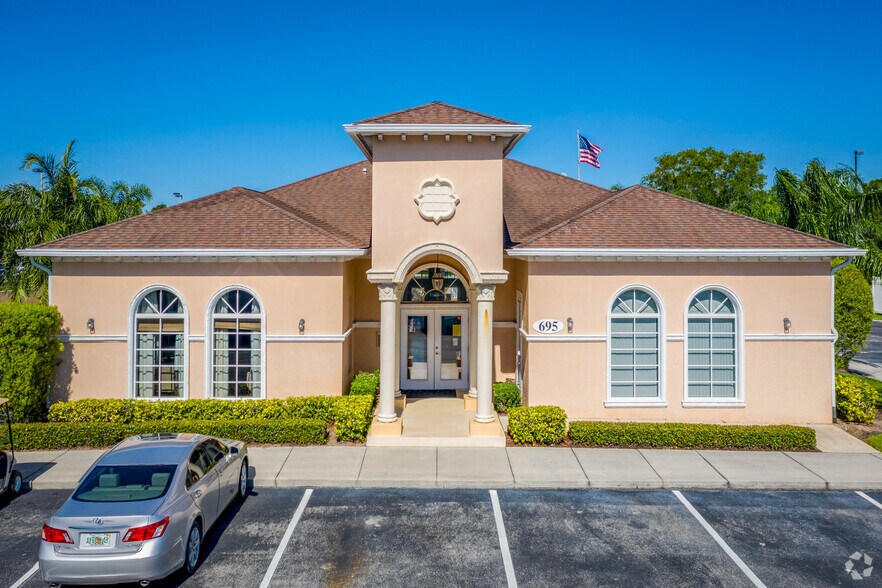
(528, 467)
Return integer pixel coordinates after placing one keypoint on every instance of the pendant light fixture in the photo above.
(437, 278)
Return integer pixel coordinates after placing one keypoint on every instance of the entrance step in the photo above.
(438, 422)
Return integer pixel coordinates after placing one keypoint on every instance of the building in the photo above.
(445, 264)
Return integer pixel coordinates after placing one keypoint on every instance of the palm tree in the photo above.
(64, 204)
(834, 204)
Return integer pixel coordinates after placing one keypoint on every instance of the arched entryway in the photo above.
(434, 327)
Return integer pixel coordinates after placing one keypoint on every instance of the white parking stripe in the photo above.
(26, 577)
(503, 542)
(268, 576)
(868, 499)
(747, 571)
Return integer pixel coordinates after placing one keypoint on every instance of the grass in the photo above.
(875, 442)
(877, 384)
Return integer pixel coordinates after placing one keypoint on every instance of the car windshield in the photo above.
(129, 483)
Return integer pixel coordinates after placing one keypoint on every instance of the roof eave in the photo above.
(203, 255)
(670, 254)
(362, 133)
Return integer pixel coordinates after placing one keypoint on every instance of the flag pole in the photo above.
(578, 167)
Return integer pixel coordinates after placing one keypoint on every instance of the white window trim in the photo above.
(662, 399)
(132, 347)
(739, 400)
(209, 343)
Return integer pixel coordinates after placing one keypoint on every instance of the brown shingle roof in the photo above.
(643, 218)
(237, 218)
(541, 209)
(435, 113)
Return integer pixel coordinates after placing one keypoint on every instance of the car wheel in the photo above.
(16, 483)
(243, 481)
(194, 548)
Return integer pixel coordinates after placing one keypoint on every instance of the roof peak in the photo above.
(436, 112)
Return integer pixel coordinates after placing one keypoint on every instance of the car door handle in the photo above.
(198, 493)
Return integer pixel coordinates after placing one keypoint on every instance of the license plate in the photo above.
(97, 540)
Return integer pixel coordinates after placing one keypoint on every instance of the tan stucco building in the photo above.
(447, 265)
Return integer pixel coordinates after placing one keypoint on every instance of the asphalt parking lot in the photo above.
(339, 537)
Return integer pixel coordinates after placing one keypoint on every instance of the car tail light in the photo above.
(53, 535)
(146, 532)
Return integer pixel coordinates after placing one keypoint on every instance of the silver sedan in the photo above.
(141, 510)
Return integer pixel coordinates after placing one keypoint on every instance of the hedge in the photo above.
(852, 313)
(29, 355)
(367, 383)
(537, 425)
(855, 399)
(687, 435)
(85, 434)
(875, 442)
(351, 415)
(506, 395)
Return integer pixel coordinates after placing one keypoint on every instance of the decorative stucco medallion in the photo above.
(436, 200)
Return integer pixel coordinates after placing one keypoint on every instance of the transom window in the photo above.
(237, 350)
(160, 345)
(435, 285)
(634, 346)
(711, 346)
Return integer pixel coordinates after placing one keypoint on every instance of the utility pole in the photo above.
(856, 153)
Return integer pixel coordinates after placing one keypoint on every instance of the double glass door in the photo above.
(434, 349)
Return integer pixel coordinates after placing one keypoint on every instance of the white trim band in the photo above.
(184, 255)
(574, 254)
(776, 337)
(93, 338)
(309, 338)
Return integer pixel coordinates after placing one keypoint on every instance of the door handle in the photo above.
(198, 493)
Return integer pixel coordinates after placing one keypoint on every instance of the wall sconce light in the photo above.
(301, 326)
(570, 325)
(90, 324)
(787, 325)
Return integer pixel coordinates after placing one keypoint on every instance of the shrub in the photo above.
(875, 442)
(853, 313)
(855, 399)
(687, 435)
(540, 425)
(506, 395)
(29, 355)
(96, 434)
(367, 383)
(352, 417)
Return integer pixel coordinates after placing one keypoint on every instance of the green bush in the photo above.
(853, 313)
(350, 415)
(353, 416)
(686, 435)
(540, 425)
(855, 399)
(367, 383)
(95, 434)
(29, 355)
(506, 395)
(875, 442)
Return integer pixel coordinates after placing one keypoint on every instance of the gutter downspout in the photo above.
(833, 271)
(48, 271)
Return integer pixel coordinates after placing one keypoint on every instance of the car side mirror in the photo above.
(234, 451)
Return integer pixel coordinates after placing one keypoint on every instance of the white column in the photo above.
(388, 316)
(473, 337)
(485, 412)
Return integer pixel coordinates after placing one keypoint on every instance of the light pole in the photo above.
(856, 153)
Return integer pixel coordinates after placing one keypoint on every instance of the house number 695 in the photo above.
(548, 326)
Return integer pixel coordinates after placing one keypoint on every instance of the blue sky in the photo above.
(196, 97)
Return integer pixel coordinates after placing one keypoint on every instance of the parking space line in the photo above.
(720, 541)
(268, 576)
(26, 577)
(503, 541)
(868, 499)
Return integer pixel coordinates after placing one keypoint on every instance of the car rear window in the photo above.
(129, 483)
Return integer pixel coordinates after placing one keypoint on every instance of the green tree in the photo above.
(834, 205)
(874, 185)
(63, 204)
(616, 187)
(734, 181)
(853, 313)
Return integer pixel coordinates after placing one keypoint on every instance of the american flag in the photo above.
(588, 152)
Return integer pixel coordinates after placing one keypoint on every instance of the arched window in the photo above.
(634, 348)
(160, 349)
(236, 346)
(712, 334)
(434, 284)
